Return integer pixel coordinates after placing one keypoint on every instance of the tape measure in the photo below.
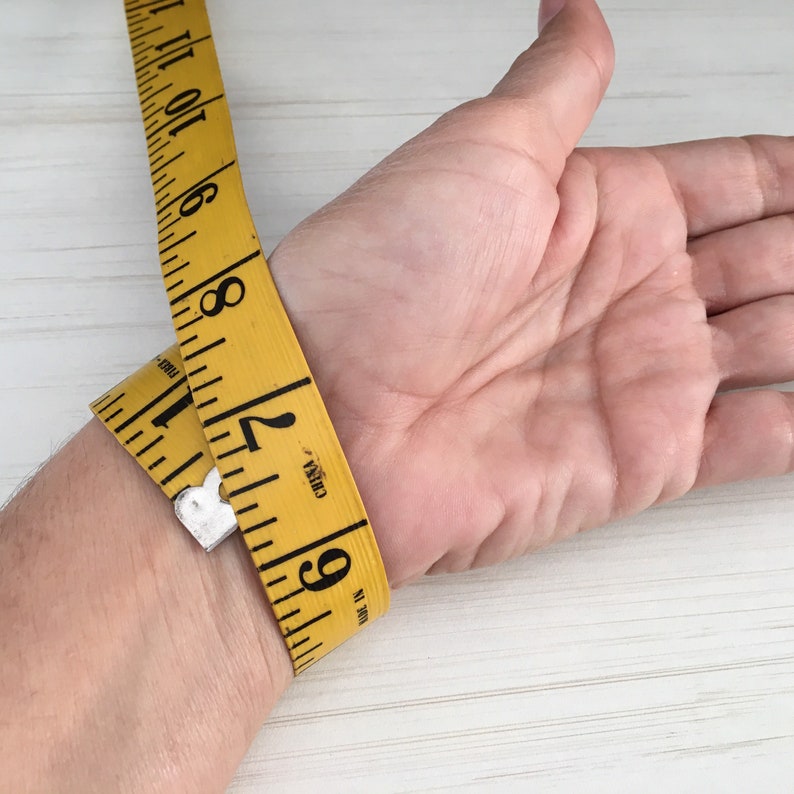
(229, 422)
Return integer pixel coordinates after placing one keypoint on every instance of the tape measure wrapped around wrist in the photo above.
(229, 422)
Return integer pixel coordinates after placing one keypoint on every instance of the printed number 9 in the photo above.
(327, 578)
(214, 301)
(195, 200)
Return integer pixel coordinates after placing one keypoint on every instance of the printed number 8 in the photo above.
(221, 296)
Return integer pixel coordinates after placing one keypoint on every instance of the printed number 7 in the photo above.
(278, 422)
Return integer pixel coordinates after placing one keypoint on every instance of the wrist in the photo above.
(144, 657)
(324, 316)
(230, 612)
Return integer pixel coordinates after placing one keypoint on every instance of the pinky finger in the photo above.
(748, 434)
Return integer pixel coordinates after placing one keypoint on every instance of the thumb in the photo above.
(561, 79)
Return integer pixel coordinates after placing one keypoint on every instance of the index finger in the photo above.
(728, 182)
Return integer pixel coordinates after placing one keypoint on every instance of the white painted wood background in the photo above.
(653, 656)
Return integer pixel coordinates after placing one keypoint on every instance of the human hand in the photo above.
(518, 340)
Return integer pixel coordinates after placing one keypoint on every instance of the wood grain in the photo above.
(655, 655)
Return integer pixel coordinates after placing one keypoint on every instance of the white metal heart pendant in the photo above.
(200, 508)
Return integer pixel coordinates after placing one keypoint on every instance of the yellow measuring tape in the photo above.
(229, 422)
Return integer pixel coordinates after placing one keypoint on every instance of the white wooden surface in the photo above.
(654, 656)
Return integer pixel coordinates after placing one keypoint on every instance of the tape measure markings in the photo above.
(283, 473)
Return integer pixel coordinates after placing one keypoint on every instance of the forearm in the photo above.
(132, 660)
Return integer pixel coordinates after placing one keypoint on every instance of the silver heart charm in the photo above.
(208, 517)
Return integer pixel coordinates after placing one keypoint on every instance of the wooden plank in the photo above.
(657, 655)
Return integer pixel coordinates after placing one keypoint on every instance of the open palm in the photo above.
(518, 340)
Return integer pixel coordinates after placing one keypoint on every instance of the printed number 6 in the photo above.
(327, 578)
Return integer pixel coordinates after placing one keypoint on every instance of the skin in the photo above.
(516, 339)
(546, 334)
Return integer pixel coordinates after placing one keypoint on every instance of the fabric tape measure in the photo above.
(229, 422)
